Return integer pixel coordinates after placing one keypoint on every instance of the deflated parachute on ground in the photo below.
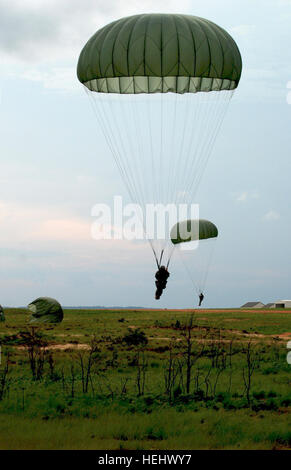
(190, 230)
(45, 310)
(2, 316)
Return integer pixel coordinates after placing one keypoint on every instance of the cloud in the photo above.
(62, 229)
(21, 223)
(54, 78)
(50, 238)
(271, 215)
(242, 197)
(41, 41)
(246, 195)
(34, 31)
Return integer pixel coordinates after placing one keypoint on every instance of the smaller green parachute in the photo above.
(190, 230)
(2, 316)
(45, 310)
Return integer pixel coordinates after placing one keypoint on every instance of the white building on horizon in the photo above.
(283, 304)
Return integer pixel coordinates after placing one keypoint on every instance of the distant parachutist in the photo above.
(161, 280)
(201, 298)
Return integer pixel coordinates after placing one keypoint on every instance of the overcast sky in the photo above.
(51, 173)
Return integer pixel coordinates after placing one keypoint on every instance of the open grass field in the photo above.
(146, 379)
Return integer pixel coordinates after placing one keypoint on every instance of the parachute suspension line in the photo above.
(218, 113)
(151, 187)
(208, 151)
(176, 147)
(139, 151)
(100, 115)
(161, 147)
(131, 115)
(102, 118)
(120, 139)
(154, 252)
(176, 169)
(195, 157)
(108, 139)
(163, 169)
(170, 156)
(172, 165)
(180, 168)
(154, 177)
(199, 123)
(160, 144)
(131, 168)
(179, 162)
(197, 131)
(179, 193)
(175, 138)
(154, 191)
(195, 284)
(208, 264)
(199, 281)
(117, 159)
(133, 118)
(154, 188)
(192, 169)
(196, 287)
(124, 152)
(161, 257)
(157, 164)
(171, 251)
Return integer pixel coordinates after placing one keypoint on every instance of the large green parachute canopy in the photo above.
(45, 310)
(160, 86)
(160, 53)
(195, 229)
(2, 316)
